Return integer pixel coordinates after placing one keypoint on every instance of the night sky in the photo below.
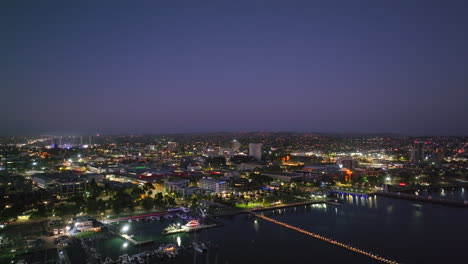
(197, 66)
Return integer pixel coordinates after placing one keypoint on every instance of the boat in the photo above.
(170, 250)
(197, 247)
(192, 223)
(204, 247)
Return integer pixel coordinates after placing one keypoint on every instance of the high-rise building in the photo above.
(236, 145)
(255, 150)
(417, 151)
(349, 164)
(150, 147)
(171, 145)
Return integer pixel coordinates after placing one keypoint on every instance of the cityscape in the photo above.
(224, 132)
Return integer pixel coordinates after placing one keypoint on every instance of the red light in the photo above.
(402, 184)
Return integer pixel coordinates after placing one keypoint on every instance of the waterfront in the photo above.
(460, 193)
(405, 231)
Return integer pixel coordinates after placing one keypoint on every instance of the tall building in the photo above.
(349, 164)
(171, 145)
(417, 151)
(255, 150)
(236, 145)
(150, 147)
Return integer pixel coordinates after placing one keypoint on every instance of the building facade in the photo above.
(255, 150)
(211, 185)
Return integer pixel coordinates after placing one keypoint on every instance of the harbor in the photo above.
(191, 238)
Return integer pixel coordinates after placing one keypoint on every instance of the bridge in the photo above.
(328, 240)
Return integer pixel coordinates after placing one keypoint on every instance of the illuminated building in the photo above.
(255, 150)
(211, 185)
(417, 152)
(171, 146)
(236, 145)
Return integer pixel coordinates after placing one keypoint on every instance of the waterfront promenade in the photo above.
(427, 199)
(280, 206)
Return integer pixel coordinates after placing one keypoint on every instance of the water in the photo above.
(401, 230)
(446, 193)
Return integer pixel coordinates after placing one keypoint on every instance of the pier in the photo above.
(328, 240)
(333, 203)
(134, 242)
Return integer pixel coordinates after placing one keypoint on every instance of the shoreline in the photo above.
(247, 211)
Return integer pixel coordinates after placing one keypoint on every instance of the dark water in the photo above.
(446, 193)
(400, 230)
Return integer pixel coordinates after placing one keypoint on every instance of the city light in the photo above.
(125, 245)
(331, 241)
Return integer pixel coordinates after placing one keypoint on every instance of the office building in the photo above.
(255, 150)
(417, 151)
(215, 186)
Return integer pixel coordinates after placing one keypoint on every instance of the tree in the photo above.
(159, 200)
(148, 186)
(193, 205)
(147, 203)
(137, 192)
(91, 205)
(170, 201)
(101, 206)
(40, 212)
(122, 200)
(94, 189)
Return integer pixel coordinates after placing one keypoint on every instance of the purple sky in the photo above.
(186, 66)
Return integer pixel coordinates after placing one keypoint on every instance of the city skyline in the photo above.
(181, 67)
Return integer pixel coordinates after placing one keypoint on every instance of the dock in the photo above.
(333, 203)
(134, 242)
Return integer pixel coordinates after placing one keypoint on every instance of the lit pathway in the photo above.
(331, 241)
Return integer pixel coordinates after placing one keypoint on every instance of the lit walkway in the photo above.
(331, 241)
